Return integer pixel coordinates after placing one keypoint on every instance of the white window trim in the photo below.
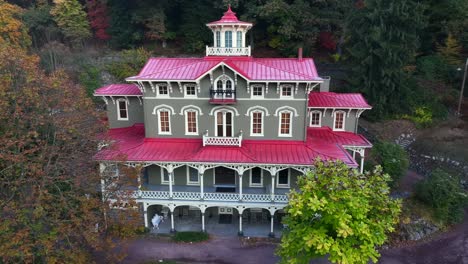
(224, 78)
(187, 133)
(334, 121)
(216, 124)
(284, 185)
(252, 134)
(159, 121)
(252, 91)
(281, 91)
(290, 123)
(251, 184)
(162, 95)
(118, 109)
(188, 176)
(320, 118)
(162, 177)
(185, 91)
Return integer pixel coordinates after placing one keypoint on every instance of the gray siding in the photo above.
(327, 120)
(135, 113)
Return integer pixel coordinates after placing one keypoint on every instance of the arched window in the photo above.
(256, 123)
(219, 85)
(285, 123)
(228, 39)
(228, 85)
(224, 123)
(315, 119)
(191, 122)
(164, 113)
(339, 120)
(225, 87)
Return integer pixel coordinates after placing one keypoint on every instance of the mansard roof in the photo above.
(337, 100)
(131, 145)
(121, 89)
(252, 69)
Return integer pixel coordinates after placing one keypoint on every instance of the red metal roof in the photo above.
(253, 69)
(118, 89)
(337, 100)
(229, 18)
(130, 145)
(343, 138)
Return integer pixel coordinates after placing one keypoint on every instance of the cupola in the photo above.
(229, 36)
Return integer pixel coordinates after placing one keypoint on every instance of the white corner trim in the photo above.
(257, 107)
(190, 107)
(159, 107)
(282, 108)
(221, 107)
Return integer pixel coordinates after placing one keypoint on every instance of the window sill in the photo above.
(122, 119)
(256, 186)
(257, 135)
(280, 135)
(282, 186)
(193, 183)
(191, 134)
(165, 134)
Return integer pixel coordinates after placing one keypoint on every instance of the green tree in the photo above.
(450, 51)
(71, 19)
(42, 26)
(393, 158)
(445, 195)
(380, 45)
(338, 212)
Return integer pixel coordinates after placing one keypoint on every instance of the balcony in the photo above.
(222, 141)
(222, 96)
(221, 51)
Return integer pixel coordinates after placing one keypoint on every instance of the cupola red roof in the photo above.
(229, 17)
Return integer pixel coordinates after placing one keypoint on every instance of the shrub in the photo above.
(393, 158)
(190, 236)
(90, 78)
(128, 63)
(444, 194)
(422, 116)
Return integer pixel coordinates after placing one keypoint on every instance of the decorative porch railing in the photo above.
(222, 141)
(220, 51)
(226, 197)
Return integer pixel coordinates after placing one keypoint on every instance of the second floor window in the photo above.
(285, 124)
(239, 39)
(190, 90)
(257, 124)
(282, 180)
(163, 91)
(315, 118)
(256, 177)
(191, 127)
(228, 39)
(122, 110)
(192, 176)
(286, 91)
(164, 122)
(165, 176)
(257, 91)
(339, 123)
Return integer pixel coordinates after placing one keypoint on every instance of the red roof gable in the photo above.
(253, 69)
(119, 89)
(337, 100)
(131, 145)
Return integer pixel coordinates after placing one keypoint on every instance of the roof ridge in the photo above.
(166, 69)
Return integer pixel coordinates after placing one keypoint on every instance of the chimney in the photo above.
(299, 54)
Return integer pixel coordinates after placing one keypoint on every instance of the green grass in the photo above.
(190, 236)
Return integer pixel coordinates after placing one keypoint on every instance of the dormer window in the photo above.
(190, 90)
(228, 39)
(257, 91)
(286, 91)
(163, 90)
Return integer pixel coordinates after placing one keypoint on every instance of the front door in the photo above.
(223, 124)
(225, 177)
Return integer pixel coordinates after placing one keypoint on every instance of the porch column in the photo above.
(145, 214)
(354, 154)
(240, 187)
(139, 184)
(240, 233)
(272, 233)
(202, 209)
(171, 208)
(273, 186)
(201, 186)
(362, 161)
(171, 175)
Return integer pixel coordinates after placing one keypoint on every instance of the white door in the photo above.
(224, 124)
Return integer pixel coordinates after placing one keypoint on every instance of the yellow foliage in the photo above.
(12, 30)
(451, 50)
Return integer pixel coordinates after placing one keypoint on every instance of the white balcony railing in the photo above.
(220, 51)
(225, 197)
(222, 141)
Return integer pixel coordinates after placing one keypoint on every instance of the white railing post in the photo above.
(201, 186)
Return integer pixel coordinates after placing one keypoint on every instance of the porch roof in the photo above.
(343, 138)
(131, 145)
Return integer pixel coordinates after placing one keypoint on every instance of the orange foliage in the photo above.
(12, 30)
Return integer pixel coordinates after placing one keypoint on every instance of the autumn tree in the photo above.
(450, 51)
(98, 18)
(50, 202)
(340, 213)
(12, 29)
(380, 45)
(71, 19)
